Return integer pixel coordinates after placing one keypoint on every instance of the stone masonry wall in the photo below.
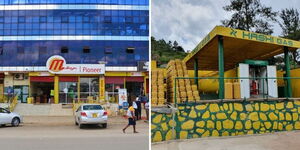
(226, 119)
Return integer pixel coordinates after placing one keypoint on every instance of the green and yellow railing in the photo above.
(89, 100)
(11, 101)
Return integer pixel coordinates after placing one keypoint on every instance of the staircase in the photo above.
(42, 110)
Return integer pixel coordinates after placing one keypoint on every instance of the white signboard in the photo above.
(57, 65)
(122, 96)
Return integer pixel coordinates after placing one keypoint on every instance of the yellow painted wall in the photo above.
(295, 82)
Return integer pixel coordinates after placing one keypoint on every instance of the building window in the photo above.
(86, 49)
(107, 19)
(43, 19)
(1, 50)
(89, 87)
(130, 50)
(108, 50)
(65, 19)
(21, 19)
(86, 19)
(42, 50)
(1, 19)
(20, 50)
(128, 20)
(64, 49)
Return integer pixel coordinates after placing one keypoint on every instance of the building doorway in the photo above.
(42, 89)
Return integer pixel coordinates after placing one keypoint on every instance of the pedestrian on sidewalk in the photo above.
(135, 106)
(139, 108)
(147, 110)
(131, 118)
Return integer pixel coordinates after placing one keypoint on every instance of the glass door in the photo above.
(67, 92)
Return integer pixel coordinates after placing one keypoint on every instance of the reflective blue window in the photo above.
(43, 19)
(64, 19)
(75, 22)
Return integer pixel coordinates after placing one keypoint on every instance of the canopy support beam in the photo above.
(221, 66)
(287, 72)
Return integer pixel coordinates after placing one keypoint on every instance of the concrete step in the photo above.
(42, 110)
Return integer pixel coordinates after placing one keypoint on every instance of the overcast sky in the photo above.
(188, 21)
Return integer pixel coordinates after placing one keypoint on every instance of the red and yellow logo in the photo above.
(55, 64)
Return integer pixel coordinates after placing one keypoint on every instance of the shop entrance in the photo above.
(134, 88)
(42, 89)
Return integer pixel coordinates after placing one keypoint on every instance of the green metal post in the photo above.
(287, 72)
(196, 71)
(175, 93)
(221, 67)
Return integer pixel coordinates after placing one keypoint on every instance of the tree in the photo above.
(163, 52)
(290, 25)
(250, 15)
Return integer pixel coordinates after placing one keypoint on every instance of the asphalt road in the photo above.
(272, 141)
(60, 133)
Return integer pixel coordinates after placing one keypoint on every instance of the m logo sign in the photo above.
(58, 65)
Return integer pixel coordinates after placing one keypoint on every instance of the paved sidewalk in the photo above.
(275, 141)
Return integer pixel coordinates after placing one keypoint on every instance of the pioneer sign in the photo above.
(57, 65)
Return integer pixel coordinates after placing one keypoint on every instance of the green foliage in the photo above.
(290, 24)
(163, 52)
(250, 15)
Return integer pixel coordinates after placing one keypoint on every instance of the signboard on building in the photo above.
(122, 96)
(143, 66)
(57, 65)
(102, 88)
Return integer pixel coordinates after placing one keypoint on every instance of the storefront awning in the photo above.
(68, 79)
(114, 80)
(42, 79)
(134, 79)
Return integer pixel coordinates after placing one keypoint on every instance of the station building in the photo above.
(57, 51)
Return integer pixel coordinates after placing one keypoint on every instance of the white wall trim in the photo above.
(43, 68)
(75, 37)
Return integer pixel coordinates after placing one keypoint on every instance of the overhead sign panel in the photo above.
(57, 65)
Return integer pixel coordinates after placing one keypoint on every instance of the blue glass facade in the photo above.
(74, 22)
(104, 2)
(85, 24)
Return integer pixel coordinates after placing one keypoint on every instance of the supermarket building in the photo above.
(57, 51)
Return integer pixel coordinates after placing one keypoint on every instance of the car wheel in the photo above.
(15, 122)
(76, 123)
(80, 126)
(104, 125)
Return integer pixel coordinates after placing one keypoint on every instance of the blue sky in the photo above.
(188, 21)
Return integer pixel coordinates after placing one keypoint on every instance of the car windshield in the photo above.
(92, 107)
(2, 110)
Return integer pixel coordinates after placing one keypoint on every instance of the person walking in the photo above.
(139, 107)
(147, 110)
(131, 119)
(135, 106)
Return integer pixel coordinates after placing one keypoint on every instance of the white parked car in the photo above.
(7, 117)
(90, 114)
